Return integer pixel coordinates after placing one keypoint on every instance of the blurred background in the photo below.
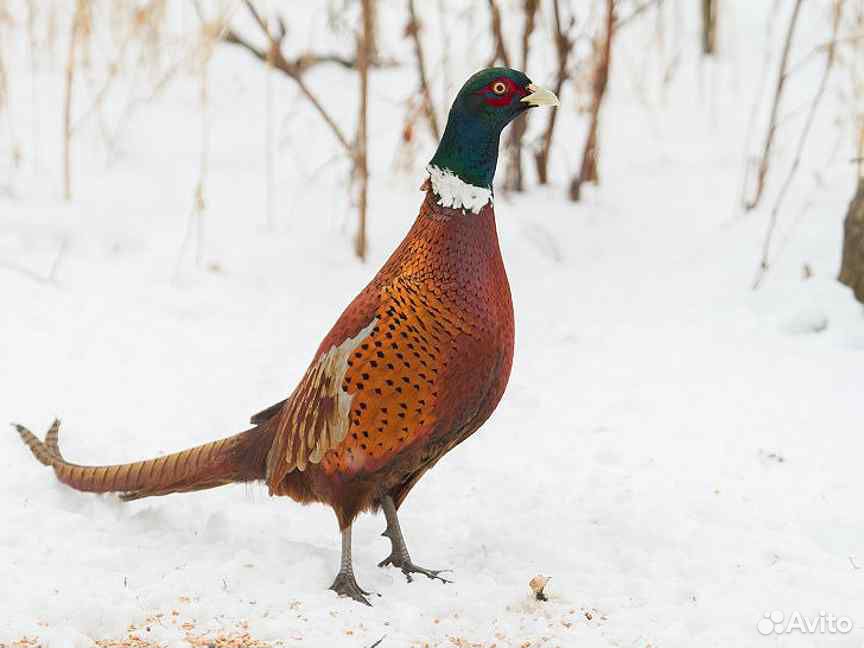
(191, 192)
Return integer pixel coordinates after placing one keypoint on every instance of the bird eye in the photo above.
(499, 87)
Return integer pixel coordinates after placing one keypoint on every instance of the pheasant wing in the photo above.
(316, 417)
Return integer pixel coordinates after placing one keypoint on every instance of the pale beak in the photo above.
(540, 97)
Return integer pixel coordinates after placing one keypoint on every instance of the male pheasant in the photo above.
(416, 363)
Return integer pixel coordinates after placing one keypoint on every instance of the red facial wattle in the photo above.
(493, 96)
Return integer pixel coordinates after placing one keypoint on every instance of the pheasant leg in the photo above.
(345, 583)
(399, 556)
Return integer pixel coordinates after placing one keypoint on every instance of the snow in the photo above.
(679, 453)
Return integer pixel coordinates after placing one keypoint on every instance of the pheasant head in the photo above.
(488, 101)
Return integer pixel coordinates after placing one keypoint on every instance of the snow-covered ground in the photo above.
(679, 453)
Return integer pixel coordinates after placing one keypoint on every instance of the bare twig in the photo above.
(782, 75)
(51, 277)
(361, 169)
(407, 149)
(412, 29)
(859, 161)
(588, 170)
(802, 140)
(709, 27)
(269, 145)
(753, 116)
(78, 20)
(61, 254)
(211, 32)
(356, 150)
(852, 256)
(217, 28)
(530, 7)
(29, 274)
(292, 69)
(114, 70)
(444, 63)
(34, 69)
(14, 148)
(514, 180)
(563, 48)
(500, 53)
(310, 60)
(635, 13)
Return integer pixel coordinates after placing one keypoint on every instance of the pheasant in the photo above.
(415, 364)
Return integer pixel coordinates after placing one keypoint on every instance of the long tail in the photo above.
(239, 458)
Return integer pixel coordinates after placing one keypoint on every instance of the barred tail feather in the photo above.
(239, 458)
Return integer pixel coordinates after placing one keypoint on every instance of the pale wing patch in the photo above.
(317, 417)
(454, 192)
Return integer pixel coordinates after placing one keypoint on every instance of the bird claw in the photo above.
(431, 574)
(346, 585)
(409, 568)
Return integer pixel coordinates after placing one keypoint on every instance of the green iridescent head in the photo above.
(488, 101)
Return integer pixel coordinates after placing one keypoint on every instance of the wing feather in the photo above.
(266, 414)
(316, 417)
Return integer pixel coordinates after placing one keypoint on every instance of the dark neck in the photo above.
(468, 148)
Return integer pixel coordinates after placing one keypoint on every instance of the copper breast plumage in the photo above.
(428, 352)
